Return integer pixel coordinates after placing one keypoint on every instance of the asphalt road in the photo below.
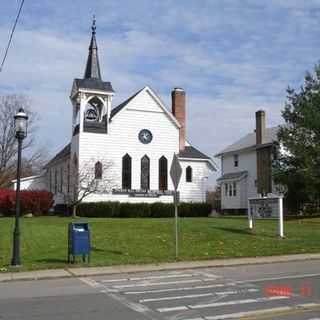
(271, 291)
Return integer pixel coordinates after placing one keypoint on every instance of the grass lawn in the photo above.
(130, 241)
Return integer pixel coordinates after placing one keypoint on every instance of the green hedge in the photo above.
(141, 210)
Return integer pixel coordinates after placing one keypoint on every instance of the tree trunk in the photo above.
(74, 211)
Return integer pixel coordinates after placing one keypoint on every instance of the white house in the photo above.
(246, 166)
(137, 139)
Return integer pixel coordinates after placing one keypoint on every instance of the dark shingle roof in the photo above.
(192, 153)
(65, 152)
(93, 83)
(233, 175)
(116, 109)
(249, 141)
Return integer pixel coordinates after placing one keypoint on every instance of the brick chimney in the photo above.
(178, 98)
(264, 174)
(260, 127)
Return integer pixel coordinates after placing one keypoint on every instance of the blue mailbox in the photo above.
(79, 241)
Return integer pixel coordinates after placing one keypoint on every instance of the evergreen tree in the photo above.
(297, 166)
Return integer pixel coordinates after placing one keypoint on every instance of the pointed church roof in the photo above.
(93, 67)
(92, 76)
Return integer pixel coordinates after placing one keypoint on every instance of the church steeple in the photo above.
(93, 67)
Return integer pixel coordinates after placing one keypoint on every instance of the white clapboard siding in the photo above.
(142, 112)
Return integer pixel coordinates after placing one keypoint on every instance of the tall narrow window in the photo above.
(68, 178)
(55, 181)
(61, 179)
(163, 173)
(236, 160)
(98, 170)
(50, 180)
(126, 172)
(188, 174)
(234, 189)
(226, 189)
(145, 173)
(230, 190)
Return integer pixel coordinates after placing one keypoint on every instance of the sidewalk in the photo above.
(96, 271)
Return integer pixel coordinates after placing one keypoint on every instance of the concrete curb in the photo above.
(111, 270)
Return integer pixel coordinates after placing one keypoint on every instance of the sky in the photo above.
(232, 57)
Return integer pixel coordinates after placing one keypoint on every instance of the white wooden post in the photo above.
(250, 219)
(281, 217)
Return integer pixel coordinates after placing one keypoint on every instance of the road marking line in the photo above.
(281, 278)
(180, 308)
(229, 303)
(220, 304)
(188, 296)
(90, 282)
(220, 285)
(151, 284)
(148, 278)
(222, 293)
(239, 315)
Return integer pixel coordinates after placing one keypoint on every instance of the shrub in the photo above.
(98, 209)
(141, 210)
(35, 202)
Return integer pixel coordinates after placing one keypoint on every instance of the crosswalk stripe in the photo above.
(220, 304)
(151, 284)
(189, 296)
(219, 285)
(185, 275)
(242, 314)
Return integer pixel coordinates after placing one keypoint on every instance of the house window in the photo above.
(145, 173)
(50, 180)
(126, 172)
(98, 170)
(61, 179)
(163, 173)
(236, 160)
(230, 190)
(55, 181)
(234, 189)
(226, 189)
(68, 178)
(188, 174)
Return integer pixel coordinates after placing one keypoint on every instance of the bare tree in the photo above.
(9, 105)
(90, 178)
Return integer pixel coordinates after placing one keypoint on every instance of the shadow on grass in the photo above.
(244, 232)
(117, 252)
(52, 260)
(235, 230)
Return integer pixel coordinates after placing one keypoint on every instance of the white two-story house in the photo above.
(246, 166)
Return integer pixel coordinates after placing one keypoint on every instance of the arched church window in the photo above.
(126, 172)
(163, 173)
(98, 170)
(93, 110)
(188, 174)
(145, 173)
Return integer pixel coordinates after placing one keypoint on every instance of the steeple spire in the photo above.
(93, 67)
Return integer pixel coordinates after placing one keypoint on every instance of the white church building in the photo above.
(131, 146)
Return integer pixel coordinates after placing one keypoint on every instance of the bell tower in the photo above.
(90, 96)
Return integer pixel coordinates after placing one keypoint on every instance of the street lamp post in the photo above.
(20, 123)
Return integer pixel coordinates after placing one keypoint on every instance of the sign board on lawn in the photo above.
(266, 208)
